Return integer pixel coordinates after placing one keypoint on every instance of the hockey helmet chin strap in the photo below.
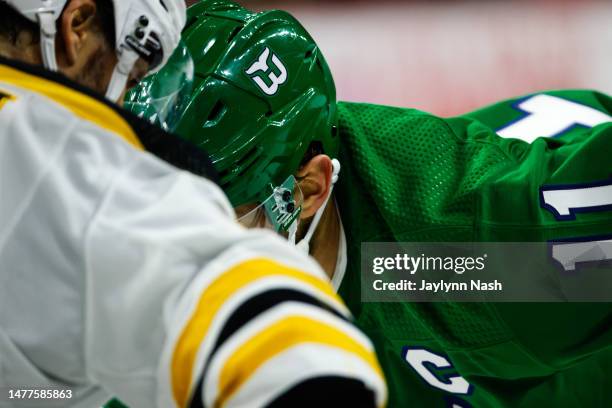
(120, 75)
(304, 244)
(47, 35)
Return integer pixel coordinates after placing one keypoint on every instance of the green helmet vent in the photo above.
(216, 115)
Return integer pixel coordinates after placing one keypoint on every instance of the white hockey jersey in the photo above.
(123, 276)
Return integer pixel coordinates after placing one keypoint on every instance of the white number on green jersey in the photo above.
(565, 202)
(425, 363)
(549, 116)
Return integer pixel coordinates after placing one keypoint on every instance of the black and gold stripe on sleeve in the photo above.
(277, 311)
(249, 310)
(214, 297)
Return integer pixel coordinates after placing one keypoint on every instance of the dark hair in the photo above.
(12, 22)
(315, 148)
(106, 20)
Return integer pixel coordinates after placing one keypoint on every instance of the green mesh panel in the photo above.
(422, 180)
(415, 168)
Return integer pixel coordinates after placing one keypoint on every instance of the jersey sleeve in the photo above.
(186, 308)
(566, 187)
(556, 190)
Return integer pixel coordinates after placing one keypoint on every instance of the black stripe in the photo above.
(246, 312)
(331, 391)
(167, 146)
(265, 301)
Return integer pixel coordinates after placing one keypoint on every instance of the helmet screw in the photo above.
(286, 196)
(143, 20)
(139, 33)
(290, 208)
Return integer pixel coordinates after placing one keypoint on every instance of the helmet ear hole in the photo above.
(216, 114)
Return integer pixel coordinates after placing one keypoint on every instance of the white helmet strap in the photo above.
(121, 73)
(46, 20)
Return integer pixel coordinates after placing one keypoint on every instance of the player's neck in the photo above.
(326, 239)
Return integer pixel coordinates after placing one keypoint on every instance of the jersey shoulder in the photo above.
(559, 113)
(56, 96)
(40, 99)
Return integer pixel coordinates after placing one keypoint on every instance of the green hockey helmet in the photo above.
(263, 95)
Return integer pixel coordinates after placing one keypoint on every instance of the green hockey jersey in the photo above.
(408, 176)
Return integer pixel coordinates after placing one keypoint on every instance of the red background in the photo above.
(449, 57)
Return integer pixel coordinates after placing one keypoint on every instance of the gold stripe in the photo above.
(213, 298)
(83, 106)
(280, 337)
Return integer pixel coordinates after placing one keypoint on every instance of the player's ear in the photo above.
(314, 178)
(76, 26)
